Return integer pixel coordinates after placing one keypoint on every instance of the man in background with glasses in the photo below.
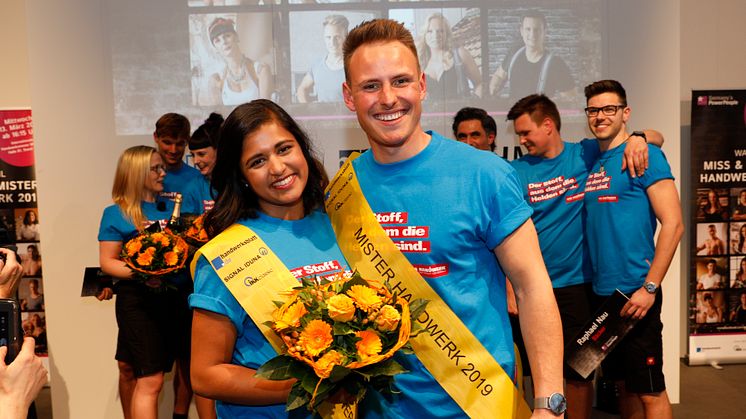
(622, 212)
(552, 176)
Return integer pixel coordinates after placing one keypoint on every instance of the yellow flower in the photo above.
(146, 257)
(365, 297)
(316, 337)
(326, 363)
(288, 317)
(369, 344)
(171, 258)
(133, 246)
(341, 308)
(388, 319)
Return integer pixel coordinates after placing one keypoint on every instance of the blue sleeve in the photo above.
(112, 224)
(658, 169)
(212, 295)
(504, 207)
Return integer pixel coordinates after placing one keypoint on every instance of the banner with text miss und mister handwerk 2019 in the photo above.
(717, 275)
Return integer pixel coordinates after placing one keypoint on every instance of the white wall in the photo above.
(70, 93)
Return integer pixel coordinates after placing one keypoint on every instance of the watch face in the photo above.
(557, 403)
(650, 287)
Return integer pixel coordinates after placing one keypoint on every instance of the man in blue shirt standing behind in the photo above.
(622, 213)
(553, 176)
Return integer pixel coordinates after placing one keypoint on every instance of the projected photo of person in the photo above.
(738, 200)
(711, 239)
(7, 227)
(35, 325)
(450, 69)
(531, 67)
(230, 58)
(738, 272)
(449, 47)
(324, 82)
(316, 64)
(710, 307)
(30, 258)
(31, 294)
(711, 273)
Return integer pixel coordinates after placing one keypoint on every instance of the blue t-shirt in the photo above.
(447, 208)
(197, 197)
(177, 180)
(554, 189)
(621, 221)
(115, 227)
(300, 245)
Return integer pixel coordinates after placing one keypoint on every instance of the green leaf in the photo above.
(278, 304)
(416, 307)
(340, 328)
(277, 368)
(298, 397)
(338, 373)
(388, 367)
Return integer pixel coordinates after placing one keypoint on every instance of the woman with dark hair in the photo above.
(740, 279)
(265, 180)
(741, 245)
(29, 229)
(198, 196)
(242, 79)
(31, 261)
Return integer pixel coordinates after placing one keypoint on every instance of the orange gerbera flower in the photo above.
(171, 258)
(369, 344)
(316, 337)
(365, 297)
(287, 317)
(161, 238)
(146, 257)
(133, 247)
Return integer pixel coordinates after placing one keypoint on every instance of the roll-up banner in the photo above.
(717, 276)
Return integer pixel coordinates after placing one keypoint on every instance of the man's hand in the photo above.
(21, 381)
(638, 305)
(635, 156)
(10, 272)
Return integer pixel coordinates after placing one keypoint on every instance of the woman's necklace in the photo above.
(241, 76)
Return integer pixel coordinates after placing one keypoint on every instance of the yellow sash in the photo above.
(448, 349)
(252, 272)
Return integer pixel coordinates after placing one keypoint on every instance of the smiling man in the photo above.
(476, 223)
(553, 175)
(621, 224)
(171, 135)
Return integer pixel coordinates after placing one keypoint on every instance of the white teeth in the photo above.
(390, 116)
(283, 182)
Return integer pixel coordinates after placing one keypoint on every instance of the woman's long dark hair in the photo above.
(234, 198)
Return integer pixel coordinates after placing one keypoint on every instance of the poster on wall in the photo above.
(19, 219)
(717, 279)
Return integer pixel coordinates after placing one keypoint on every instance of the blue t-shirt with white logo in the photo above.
(554, 189)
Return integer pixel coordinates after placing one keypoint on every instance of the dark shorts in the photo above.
(574, 303)
(638, 358)
(153, 329)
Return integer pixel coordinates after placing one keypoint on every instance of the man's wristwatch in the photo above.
(650, 287)
(555, 403)
(640, 134)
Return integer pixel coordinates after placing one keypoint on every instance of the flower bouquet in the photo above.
(195, 235)
(339, 339)
(151, 255)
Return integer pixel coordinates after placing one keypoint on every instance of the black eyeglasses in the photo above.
(607, 110)
(158, 168)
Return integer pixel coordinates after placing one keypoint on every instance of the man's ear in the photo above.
(347, 95)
